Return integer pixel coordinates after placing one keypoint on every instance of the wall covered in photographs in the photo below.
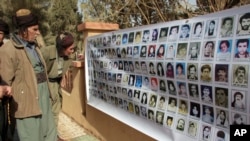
(187, 76)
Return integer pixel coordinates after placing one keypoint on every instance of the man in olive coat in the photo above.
(58, 59)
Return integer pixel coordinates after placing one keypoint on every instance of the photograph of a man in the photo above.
(244, 24)
(238, 100)
(242, 49)
(221, 73)
(240, 75)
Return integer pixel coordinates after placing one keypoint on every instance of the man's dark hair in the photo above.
(238, 93)
(186, 25)
(240, 68)
(245, 16)
(221, 134)
(191, 66)
(206, 67)
(242, 41)
(227, 19)
(208, 43)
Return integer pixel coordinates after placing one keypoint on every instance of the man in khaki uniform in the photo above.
(58, 61)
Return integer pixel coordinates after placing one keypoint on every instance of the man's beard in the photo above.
(245, 27)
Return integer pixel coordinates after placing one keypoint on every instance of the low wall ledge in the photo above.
(97, 26)
(78, 64)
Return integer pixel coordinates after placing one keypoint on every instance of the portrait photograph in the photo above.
(162, 102)
(146, 36)
(198, 29)
(151, 68)
(138, 81)
(131, 66)
(136, 51)
(137, 94)
(182, 89)
(154, 83)
(145, 82)
(162, 85)
(206, 132)
(183, 108)
(131, 37)
(144, 69)
(151, 115)
(170, 51)
(221, 96)
(160, 52)
(239, 100)
(185, 32)
(194, 51)
(222, 118)
(206, 93)
(172, 90)
(193, 90)
(131, 107)
(118, 39)
(238, 118)
(221, 135)
(211, 28)
(241, 49)
(113, 40)
(195, 110)
(143, 51)
(159, 117)
(137, 109)
(138, 37)
(137, 67)
(206, 72)
(221, 73)
(192, 72)
(154, 34)
(169, 120)
(240, 75)
(192, 129)
(181, 53)
(160, 69)
(143, 111)
(243, 25)
(208, 50)
(227, 26)
(224, 50)
(152, 100)
(129, 52)
(207, 114)
(163, 34)
(180, 124)
(124, 38)
(144, 97)
(173, 34)
(170, 72)
(172, 104)
(180, 70)
(125, 79)
(151, 51)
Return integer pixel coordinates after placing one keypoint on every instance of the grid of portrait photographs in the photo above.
(189, 76)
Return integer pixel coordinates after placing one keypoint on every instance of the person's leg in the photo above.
(47, 121)
(1, 120)
(29, 129)
(56, 101)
